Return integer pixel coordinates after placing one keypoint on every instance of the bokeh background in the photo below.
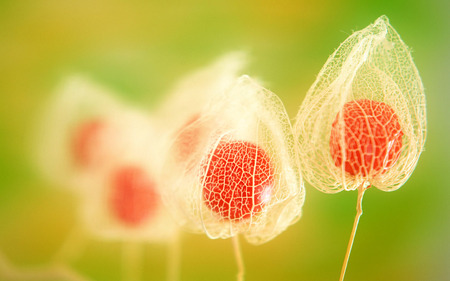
(140, 48)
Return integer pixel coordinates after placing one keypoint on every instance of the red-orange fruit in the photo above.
(133, 197)
(87, 142)
(371, 136)
(188, 139)
(238, 181)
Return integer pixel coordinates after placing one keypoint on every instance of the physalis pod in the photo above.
(363, 121)
(240, 173)
(107, 153)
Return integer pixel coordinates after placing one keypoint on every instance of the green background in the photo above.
(141, 48)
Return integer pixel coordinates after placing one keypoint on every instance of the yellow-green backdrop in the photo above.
(140, 48)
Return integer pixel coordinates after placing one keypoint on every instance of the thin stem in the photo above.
(359, 212)
(131, 261)
(173, 258)
(239, 259)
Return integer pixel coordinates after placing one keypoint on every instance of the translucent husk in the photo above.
(243, 111)
(131, 140)
(373, 64)
(76, 100)
(193, 92)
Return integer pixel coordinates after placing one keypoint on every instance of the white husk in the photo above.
(374, 64)
(243, 111)
(131, 140)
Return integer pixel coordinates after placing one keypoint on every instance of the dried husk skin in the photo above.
(373, 64)
(243, 112)
(131, 141)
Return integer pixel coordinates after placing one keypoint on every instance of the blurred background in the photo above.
(140, 48)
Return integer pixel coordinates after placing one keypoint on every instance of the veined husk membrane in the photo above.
(232, 169)
(103, 150)
(372, 64)
(363, 121)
